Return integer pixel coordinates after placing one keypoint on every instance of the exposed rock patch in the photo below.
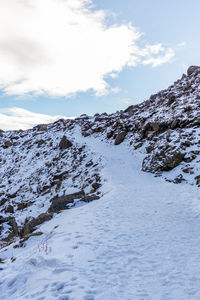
(120, 137)
(65, 143)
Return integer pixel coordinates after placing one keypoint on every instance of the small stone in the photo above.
(138, 145)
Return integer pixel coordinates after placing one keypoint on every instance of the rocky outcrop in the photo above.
(31, 225)
(67, 201)
(120, 137)
(60, 203)
(65, 143)
(193, 69)
(162, 161)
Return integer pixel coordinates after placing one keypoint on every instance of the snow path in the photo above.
(140, 241)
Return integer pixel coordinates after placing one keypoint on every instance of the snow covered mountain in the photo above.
(105, 207)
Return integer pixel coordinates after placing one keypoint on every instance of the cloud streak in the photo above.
(19, 118)
(61, 47)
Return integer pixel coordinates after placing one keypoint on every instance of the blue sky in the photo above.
(174, 24)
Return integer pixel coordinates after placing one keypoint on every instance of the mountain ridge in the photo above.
(41, 165)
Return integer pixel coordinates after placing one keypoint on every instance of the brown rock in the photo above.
(60, 203)
(30, 226)
(120, 137)
(65, 143)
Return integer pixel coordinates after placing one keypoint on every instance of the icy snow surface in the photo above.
(140, 241)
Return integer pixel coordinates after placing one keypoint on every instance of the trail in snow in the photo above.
(140, 241)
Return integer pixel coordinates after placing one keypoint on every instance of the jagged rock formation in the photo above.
(43, 168)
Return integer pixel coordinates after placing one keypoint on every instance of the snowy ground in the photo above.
(140, 241)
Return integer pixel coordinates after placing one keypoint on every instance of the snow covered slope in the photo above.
(140, 241)
(140, 238)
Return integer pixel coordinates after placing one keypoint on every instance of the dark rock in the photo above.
(90, 198)
(60, 203)
(178, 179)
(189, 157)
(109, 134)
(30, 226)
(89, 164)
(41, 127)
(7, 144)
(9, 209)
(86, 133)
(60, 176)
(197, 178)
(138, 145)
(23, 205)
(174, 124)
(96, 185)
(162, 161)
(3, 201)
(40, 143)
(120, 137)
(149, 148)
(27, 236)
(193, 69)
(155, 126)
(12, 222)
(188, 170)
(65, 143)
(171, 99)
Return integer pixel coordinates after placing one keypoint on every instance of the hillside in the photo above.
(105, 207)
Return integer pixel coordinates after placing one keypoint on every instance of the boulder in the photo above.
(65, 143)
(162, 161)
(96, 185)
(9, 209)
(120, 137)
(14, 227)
(197, 178)
(41, 127)
(7, 144)
(60, 203)
(40, 142)
(90, 198)
(30, 226)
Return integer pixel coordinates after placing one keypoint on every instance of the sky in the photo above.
(64, 58)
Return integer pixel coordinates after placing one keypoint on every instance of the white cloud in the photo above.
(19, 118)
(159, 60)
(180, 45)
(60, 47)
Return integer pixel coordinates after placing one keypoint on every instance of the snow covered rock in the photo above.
(60, 203)
(193, 69)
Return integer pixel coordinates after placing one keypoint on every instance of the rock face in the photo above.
(30, 226)
(60, 203)
(162, 161)
(65, 143)
(193, 69)
(36, 166)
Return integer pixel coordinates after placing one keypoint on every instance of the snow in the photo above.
(139, 241)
